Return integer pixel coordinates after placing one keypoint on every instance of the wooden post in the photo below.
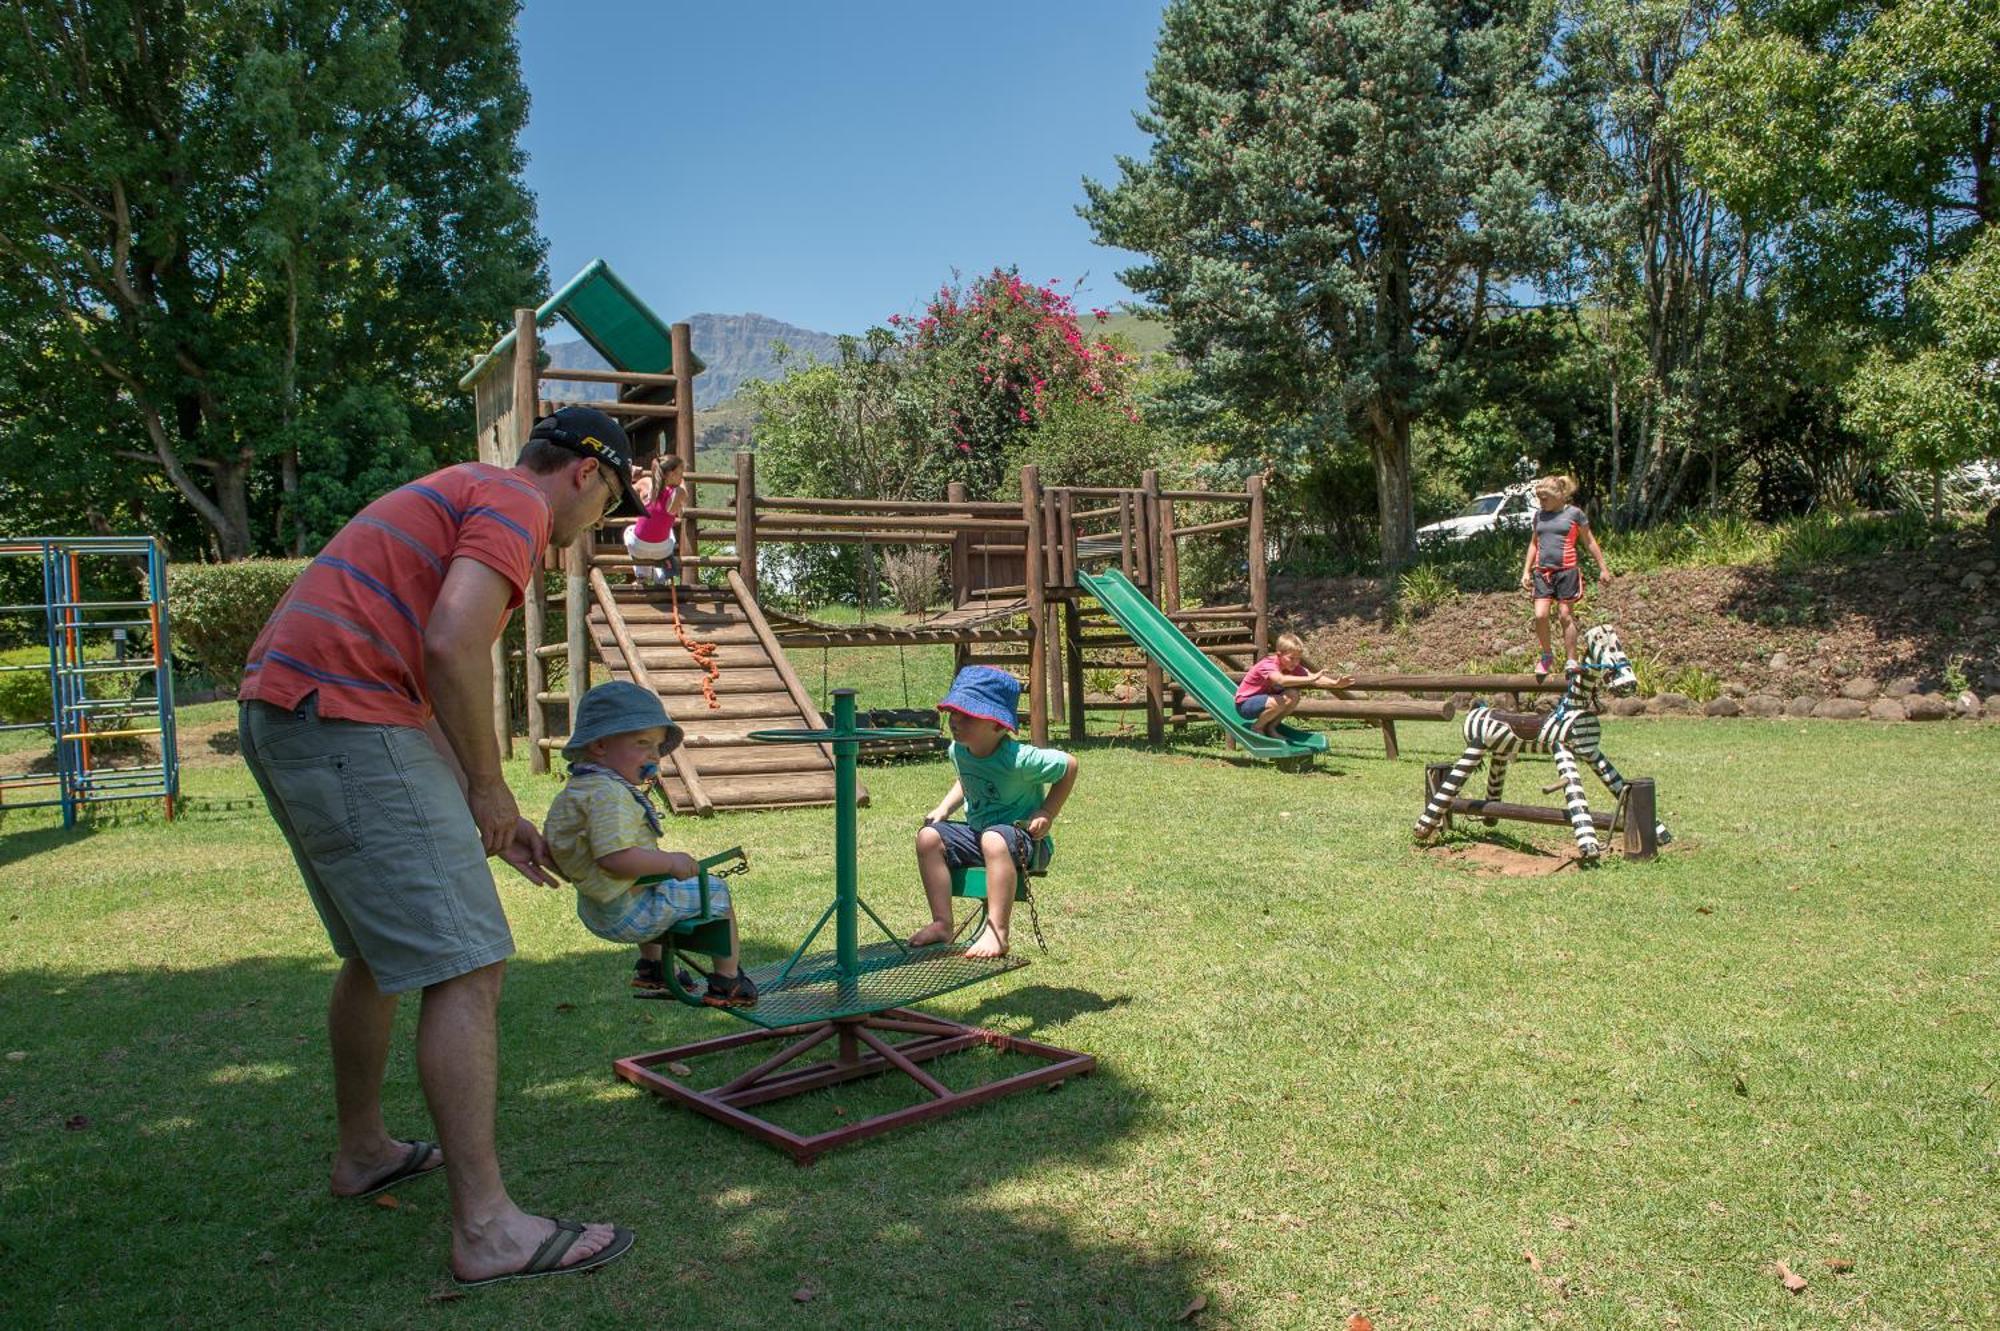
(1156, 682)
(746, 519)
(682, 341)
(1034, 583)
(576, 609)
(1125, 561)
(1641, 813)
(1066, 532)
(961, 550)
(535, 610)
(1260, 591)
(1170, 559)
(1073, 658)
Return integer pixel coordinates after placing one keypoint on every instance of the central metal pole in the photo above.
(847, 893)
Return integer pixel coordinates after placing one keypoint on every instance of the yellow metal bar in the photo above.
(106, 734)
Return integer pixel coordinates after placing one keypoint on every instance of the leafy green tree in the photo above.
(1938, 405)
(247, 247)
(1335, 198)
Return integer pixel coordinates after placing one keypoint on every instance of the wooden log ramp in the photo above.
(634, 633)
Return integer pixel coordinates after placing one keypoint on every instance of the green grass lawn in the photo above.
(1337, 1074)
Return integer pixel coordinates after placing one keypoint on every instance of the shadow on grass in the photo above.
(21, 843)
(174, 1127)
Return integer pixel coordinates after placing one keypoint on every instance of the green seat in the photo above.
(706, 932)
(970, 882)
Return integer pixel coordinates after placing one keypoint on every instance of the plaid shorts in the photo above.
(650, 909)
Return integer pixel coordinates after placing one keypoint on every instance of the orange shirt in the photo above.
(352, 626)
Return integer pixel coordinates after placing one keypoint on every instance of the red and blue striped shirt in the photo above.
(352, 626)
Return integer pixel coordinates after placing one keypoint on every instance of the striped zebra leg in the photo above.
(1615, 783)
(1496, 777)
(1447, 791)
(1579, 808)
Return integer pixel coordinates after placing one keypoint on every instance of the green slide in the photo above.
(1205, 681)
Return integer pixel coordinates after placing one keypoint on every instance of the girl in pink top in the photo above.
(651, 539)
(1270, 692)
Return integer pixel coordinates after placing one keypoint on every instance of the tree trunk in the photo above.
(1395, 504)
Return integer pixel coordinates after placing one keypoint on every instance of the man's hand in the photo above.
(529, 854)
(496, 815)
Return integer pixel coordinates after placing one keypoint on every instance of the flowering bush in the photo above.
(997, 355)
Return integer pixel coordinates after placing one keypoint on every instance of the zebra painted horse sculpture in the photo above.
(1568, 733)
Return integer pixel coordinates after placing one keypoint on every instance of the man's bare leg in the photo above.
(358, 1020)
(458, 1059)
(937, 888)
(992, 939)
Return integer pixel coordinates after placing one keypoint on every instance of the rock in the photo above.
(1779, 662)
(1672, 702)
(1763, 704)
(1802, 705)
(1861, 688)
(1966, 704)
(1818, 665)
(1626, 707)
(1990, 681)
(1459, 701)
(1733, 688)
(1927, 707)
(1992, 707)
(1723, 706)
(1886, 709)
(1841, 670)
(1902, 686)
(1840, 709)
(1973, 582)
(1987, 567)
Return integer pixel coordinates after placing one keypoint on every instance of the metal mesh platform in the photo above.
(889, 976)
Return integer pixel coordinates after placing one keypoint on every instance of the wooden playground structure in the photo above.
(1022, 594)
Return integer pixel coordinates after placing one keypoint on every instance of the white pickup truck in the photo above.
(1511, 509)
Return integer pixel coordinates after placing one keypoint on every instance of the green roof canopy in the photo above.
(613, 320)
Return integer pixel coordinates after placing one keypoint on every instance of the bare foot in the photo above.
(937, 931)
(508, 1245)
(988, 944)
(356, 1175)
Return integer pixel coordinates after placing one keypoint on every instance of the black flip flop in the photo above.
(419, 1152)
(547, 1260)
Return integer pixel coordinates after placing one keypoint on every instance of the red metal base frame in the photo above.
(860, 1053)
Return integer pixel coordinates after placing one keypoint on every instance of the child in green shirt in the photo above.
(1012, 792)
(604, 830)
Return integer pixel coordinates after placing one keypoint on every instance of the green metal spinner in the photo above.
(854, 995)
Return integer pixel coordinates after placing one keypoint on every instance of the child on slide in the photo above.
(1552, 574)
(1012, 792)
(604, 831)
(1270, 691)
(650, 540)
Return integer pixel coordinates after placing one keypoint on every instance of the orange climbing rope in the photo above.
(702, 652)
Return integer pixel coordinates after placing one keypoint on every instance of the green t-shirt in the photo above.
(1007, 785)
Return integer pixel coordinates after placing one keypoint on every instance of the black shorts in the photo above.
(1561, 584)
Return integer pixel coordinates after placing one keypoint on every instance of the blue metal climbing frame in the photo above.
(92, 643)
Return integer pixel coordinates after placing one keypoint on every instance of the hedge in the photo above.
(219, 609)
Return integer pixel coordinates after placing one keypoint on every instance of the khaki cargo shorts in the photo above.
(384, 840)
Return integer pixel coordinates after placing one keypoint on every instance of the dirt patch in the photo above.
(1506, 861)
(1933, 615)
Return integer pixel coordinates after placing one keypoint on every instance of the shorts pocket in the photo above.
(317, 802)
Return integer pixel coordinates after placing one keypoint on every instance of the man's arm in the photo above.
(458, 670)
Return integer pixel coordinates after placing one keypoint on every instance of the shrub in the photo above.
(219, 609)
(1423, 589)
(24, 694)
(1695, 683)
(912, 576)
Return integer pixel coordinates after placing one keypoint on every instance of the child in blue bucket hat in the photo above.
(1011, 791)
(604, 832)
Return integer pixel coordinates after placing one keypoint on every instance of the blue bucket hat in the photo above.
(989, 694)
(618, 708)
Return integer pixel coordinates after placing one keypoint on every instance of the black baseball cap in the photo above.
(588, 432)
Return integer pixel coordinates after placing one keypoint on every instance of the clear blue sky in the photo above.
(828, 164)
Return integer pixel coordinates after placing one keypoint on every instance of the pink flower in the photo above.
(1024, 414)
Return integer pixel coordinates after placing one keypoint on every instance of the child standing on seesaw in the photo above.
(1012, 792)
(1552, 573)
(651, 539)
(1270, 691)
(604, 831)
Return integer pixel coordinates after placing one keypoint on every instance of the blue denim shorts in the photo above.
(1253, 706)
(961, 846)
